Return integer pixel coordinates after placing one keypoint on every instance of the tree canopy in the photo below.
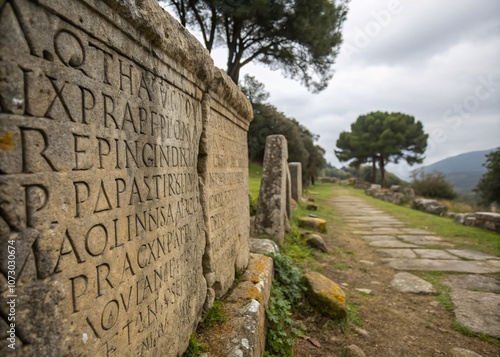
(488, 187)
(302, 38)
(382, 137)
(268, 120)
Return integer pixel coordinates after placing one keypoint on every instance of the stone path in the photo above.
(476, 298)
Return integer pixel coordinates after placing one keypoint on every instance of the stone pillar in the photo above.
(271, 216)
(296, 178)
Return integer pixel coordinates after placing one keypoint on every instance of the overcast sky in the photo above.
(436, 60)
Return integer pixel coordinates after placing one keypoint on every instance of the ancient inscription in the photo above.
(226, 192)
(99, 187)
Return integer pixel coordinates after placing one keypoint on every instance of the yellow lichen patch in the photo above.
(255, 280)
(254, 293)
(6, 142)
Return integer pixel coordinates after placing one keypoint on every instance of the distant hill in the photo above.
(463, 171)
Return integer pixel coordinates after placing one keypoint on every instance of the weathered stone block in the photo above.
(224, 189)
(325, 295)
(272, 207)
(244, 332)
(317, 224)
(296, 179)
(103, 105)
(429, 206)
(488, 220)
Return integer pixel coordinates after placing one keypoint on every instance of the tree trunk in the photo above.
(382, 171)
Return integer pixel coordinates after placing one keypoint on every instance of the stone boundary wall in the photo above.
(123, 179)
(486, 220)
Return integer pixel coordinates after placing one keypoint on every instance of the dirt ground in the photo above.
(391, 323)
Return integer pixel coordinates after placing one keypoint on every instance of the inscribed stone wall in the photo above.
(225, 181)
(102, 109)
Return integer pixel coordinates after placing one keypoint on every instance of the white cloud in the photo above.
(426, 59)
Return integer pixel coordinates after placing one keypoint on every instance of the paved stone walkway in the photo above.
(476, 298)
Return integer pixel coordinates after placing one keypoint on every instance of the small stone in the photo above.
(367, 262)
(353, 351)
(314, 223)
(263, 246)
(312, 207)
(360, 331)
(364, 291)
(315, 241)
(409, 283)
(325, 295)
(314, 342)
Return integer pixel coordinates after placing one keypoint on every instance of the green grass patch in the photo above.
(255, 171)
(215, 315)
(462, 236)
(195, 347)
(443, 291)
(464, 330)
(353, 318)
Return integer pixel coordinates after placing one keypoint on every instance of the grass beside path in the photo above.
(463, 237)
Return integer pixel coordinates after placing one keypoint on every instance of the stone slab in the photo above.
(473, 282)
(379, 237)
(271, 217)
(458, 266)
(479, 311)
(416, 231)
(409, 283)
(224, 176)
(244, 332)
(397, 253)
(391, 244)
(424, 240)
(472, 254)
(433, 254)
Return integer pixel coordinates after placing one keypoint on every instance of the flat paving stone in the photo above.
(409, 283)
(473, 282)
(495, 263)
(425, 240)
(434, 254)
(472, 254)
(479, 311)
(379, 237)
(458, 266)
(397, 253)
(388, 230)
(391, 244)
(416, 231)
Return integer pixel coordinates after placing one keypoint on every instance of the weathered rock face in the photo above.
(113, 206)
(296, 180)
(325, 295)
(429, 206)
(273, 204)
